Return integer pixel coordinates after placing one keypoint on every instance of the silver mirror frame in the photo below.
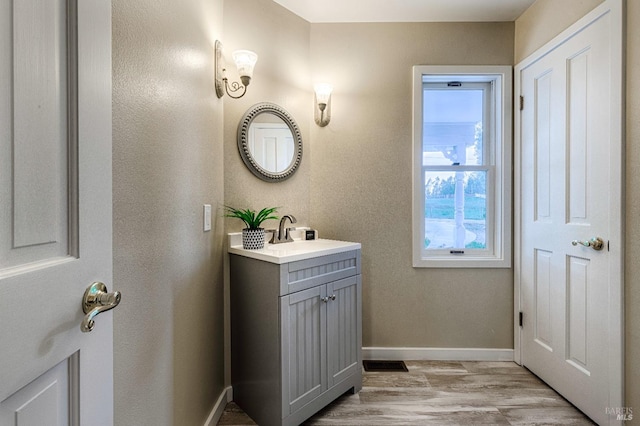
(243, 142)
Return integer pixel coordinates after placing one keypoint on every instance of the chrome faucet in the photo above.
(283, 235)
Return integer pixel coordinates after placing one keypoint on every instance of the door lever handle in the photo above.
(595, 243)
(95, 301)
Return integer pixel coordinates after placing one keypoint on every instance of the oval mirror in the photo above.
(270, 142)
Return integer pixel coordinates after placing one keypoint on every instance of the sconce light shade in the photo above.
(322, 108)
(323, 92)
(245, 62)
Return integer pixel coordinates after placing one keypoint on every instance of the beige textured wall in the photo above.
(281, 40)
(534, 28)
(361, 181)
(167, 163)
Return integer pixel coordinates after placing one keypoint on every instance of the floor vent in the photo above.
(373, 365)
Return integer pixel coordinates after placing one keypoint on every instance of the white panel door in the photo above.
(55, 211)
(570, 192)
(272, 146)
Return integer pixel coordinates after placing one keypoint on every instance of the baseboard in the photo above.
(438, 354)
(225, 396)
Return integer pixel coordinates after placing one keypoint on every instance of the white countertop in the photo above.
(290, 252)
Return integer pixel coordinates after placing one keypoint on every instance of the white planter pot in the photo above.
(253, 239)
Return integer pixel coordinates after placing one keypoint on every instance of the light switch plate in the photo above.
(207, 217)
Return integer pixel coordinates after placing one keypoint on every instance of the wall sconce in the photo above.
(322, 108)
(245, 61)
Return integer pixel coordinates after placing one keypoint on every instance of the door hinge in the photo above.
(521, 102)
(520, 318)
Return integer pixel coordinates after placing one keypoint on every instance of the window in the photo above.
(462, 166)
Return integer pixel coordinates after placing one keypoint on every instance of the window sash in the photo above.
(488, 110)
(486, 88)
(490, 215)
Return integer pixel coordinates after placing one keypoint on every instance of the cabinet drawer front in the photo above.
(304, 274)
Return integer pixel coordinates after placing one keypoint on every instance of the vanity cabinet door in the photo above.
(344, 328)
(304, 337)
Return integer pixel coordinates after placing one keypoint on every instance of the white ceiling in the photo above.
(317, 11)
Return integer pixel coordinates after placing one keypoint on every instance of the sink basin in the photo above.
(290, 252)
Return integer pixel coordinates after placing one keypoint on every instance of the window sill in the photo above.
(461, 262)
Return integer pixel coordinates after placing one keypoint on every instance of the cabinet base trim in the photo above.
(438, 354)
(214, 416)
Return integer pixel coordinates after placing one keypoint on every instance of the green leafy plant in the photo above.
(250, 218)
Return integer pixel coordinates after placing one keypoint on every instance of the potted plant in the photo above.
(253, 234)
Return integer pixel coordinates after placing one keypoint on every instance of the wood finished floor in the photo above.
(444, 393)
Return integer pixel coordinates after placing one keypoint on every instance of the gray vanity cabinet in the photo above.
(296, 335)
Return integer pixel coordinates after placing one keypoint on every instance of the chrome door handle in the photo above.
(595, 243)
(96, 300)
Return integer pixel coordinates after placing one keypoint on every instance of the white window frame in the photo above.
(498, 148)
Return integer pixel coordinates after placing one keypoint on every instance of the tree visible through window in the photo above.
(459, 175)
